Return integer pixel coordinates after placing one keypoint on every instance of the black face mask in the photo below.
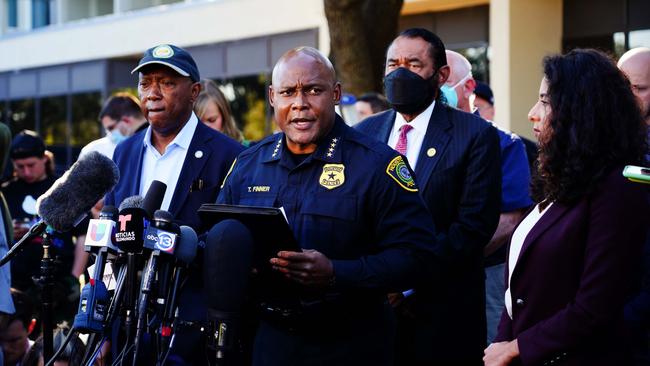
(408, 92)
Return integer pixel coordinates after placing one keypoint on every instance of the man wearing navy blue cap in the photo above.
(484, 100)
(175, 142)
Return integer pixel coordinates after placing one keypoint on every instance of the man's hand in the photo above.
(309, 267)
(501, 353)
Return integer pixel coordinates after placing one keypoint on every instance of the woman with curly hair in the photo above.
(572, 259)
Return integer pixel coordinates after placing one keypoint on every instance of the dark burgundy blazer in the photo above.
(573, 276)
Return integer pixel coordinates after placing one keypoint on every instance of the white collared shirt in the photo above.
(166, 167)
(415, 136)
(517, 243)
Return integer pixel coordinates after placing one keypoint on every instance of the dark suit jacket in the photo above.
(211, 167)
(573, 276)
(218, 154)
(461, 186)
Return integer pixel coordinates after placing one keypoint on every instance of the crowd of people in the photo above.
(428, 234)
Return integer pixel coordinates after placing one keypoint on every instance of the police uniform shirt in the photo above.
(354, 200)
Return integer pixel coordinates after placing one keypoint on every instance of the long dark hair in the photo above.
(595, 125)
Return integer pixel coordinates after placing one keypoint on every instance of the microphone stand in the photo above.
(46, 283)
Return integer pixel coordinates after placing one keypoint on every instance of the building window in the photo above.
(40, 13)
(22, 115)
(85, 126)
(12, 13)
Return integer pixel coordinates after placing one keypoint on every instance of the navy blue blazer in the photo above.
(459, 175)
(217, 155)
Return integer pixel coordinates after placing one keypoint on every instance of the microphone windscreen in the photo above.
(77, 191)
(131, 202)
(163, 215)
(187, 245)
(228, 261)
(130, 225)
(154, 197)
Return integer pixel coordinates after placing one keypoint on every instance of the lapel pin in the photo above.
(198, 154)
(431, 152)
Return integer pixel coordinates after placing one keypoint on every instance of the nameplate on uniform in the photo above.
(259, 189)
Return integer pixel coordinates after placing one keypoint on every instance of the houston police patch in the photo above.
(400, 172)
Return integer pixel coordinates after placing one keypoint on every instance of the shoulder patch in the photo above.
(400, 172)
(228, 174)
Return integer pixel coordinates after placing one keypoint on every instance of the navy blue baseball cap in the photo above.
(483, 91)
(173, 57)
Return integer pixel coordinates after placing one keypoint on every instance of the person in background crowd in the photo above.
(6, 235)
(189, 157)
(484, 104)
(355, 213)
(457, 163)
(15, 329)
(483, 101)
(370, 103)
(213, 109)
(6, 229)
(121, 117)
(571, 260)
(34, 176)
(71, 355)
(515, 196)
(635, 64)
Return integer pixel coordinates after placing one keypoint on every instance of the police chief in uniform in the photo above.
(353, 207)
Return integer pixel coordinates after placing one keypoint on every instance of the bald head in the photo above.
(460, 78)
(317, 58)
(635, 63)
(303, 93)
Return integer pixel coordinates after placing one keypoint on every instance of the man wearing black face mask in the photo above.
(456, 159)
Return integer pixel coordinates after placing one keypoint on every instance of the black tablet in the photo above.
(270, 229)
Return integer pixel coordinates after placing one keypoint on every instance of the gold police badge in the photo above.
(332, 176)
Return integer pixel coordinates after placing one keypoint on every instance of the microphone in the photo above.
(154, 197)
(227, 264)
(132, 223)
(101, 231)
(161, 237)
(185, 253)
(94, 297)
(68, 200)
(134, 215)
(87, 181)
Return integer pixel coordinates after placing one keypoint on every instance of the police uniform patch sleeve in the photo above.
(400, 172)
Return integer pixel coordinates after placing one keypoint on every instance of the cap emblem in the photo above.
(162, 51)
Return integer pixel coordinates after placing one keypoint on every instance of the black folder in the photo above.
(271, 234)
(270, 229)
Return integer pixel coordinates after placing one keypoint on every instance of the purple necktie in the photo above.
(401, 141)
